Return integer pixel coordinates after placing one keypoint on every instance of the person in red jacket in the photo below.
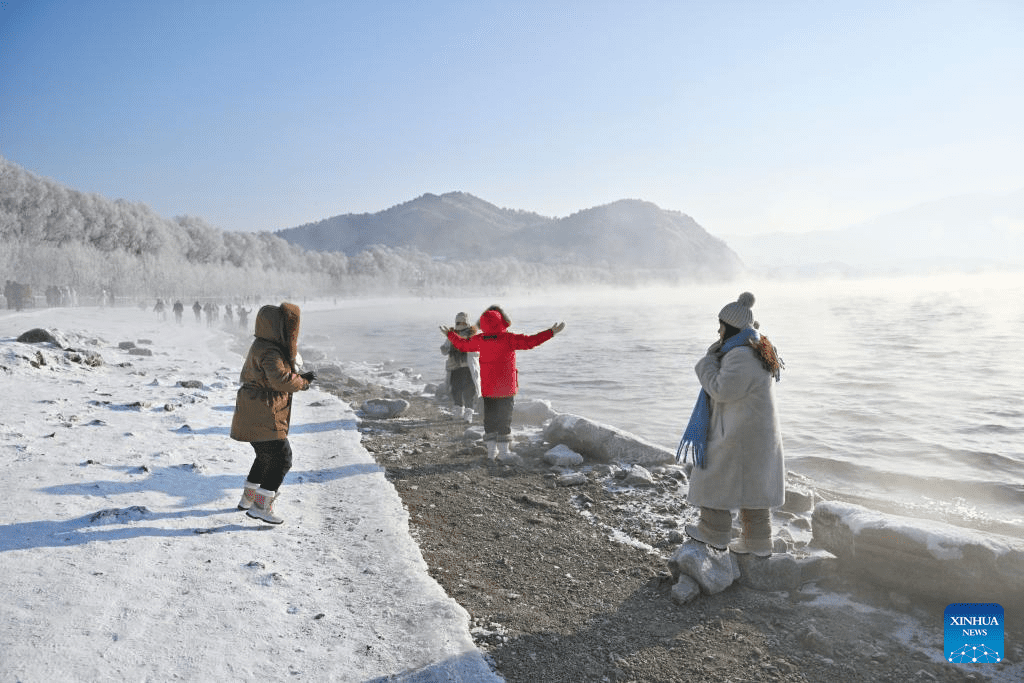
(498, 375)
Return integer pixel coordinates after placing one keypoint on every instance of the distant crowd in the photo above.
(212, 312)
(18, 295)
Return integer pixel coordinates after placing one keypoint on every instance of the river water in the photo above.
(904, 395)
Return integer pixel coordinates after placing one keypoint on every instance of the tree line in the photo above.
(51, 235)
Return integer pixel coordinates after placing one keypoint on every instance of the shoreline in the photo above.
(554, 594)
(559, 587)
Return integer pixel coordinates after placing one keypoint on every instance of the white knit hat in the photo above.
(461, 320)
(738, 313)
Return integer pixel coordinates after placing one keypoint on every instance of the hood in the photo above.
(492, 322)
(280, 324)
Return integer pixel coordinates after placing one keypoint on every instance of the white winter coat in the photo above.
(744, 459)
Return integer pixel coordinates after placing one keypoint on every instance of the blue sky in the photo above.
(749, 116)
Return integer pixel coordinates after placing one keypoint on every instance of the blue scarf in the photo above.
(696, 434)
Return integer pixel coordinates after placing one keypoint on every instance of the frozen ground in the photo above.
(124, 557)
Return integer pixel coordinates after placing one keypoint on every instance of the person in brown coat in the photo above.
(263, 407)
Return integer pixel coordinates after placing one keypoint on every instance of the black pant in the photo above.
(498, 418)
(273, 460)
(463, 390)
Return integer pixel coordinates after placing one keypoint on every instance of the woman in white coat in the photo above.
(735, 437)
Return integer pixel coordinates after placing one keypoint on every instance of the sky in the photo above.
(751, 117)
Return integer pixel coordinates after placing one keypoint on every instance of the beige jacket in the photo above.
(745, 467)
(263, 406)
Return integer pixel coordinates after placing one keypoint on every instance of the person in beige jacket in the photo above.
(263, 406)
(739, 464)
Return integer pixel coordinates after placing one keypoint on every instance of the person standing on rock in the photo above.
(734, 436)
(463, 370)
(498, 374)
(263, 406)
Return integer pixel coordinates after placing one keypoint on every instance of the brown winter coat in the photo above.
(263, 407)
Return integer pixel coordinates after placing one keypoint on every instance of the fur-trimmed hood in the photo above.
(493, 322)
(280, 324)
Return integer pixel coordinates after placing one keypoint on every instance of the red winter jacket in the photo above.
(497, 348)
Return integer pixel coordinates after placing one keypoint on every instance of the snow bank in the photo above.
(922, 557)
(123, 553)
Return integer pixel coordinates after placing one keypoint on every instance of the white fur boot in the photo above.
(492, 449)
(248, 493)
(503, 451)
(263, 507)
(467, 414)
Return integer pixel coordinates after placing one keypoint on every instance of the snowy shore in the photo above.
(126, 559)
(129, 560)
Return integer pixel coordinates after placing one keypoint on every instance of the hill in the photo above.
(628, 233)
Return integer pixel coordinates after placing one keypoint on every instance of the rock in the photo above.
(604, 443)
(639, 476)
(532, 411)
(125, 345)
(677, 472)
(818, 566)
(713, 570)
(571, 479)
(684, 590)
(563, 456)
(773, 573)
(922, 557)
(798, 499)
(510, 459)
(815, 642)
(190, 383)
(38, 335)
(473, 434)
(119, 515)
(90, 358)
(136, 351)
(384, 408)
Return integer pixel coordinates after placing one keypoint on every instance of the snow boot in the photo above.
(492, 449)
(503, 449)
(714, 529)
(263, 507)
(757, 534)
(467, 414)
(248, 493)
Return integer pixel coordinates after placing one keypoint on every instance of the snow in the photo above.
(125, 558)
(943, 541)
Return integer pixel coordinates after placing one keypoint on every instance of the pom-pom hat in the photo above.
(461, 321)
(739, 313)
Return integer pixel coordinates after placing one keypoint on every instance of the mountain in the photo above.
(970, 232)
(628, 233)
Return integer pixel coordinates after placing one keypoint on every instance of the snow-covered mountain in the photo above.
(456, 225)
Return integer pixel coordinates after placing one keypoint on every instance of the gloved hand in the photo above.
(308, 376)
(557, 327)
(714, 348)
(445, 329)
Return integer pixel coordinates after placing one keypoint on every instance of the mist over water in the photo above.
(904, 395)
